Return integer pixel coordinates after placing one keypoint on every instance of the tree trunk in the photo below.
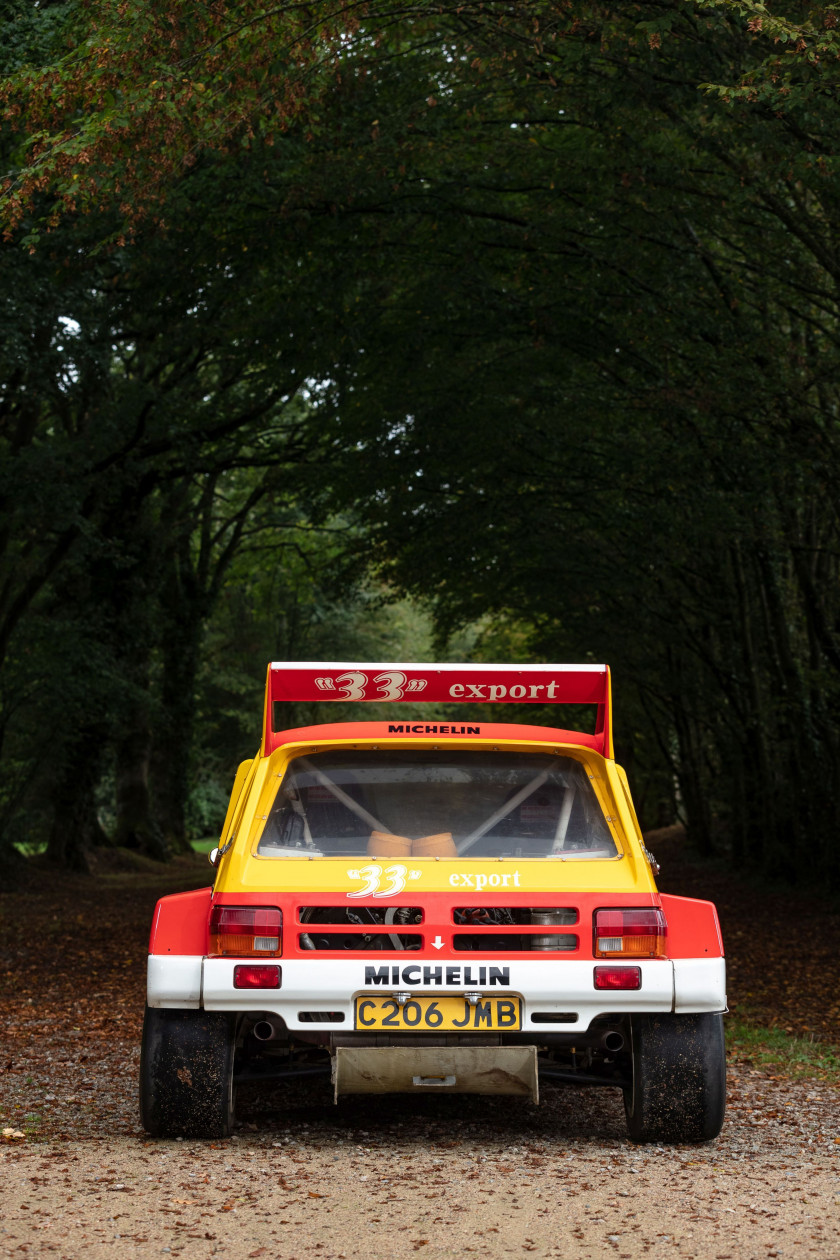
(75, 826)
(136, 826)
(174, 731)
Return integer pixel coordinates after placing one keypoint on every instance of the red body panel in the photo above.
(438, 922)
(693, 928)
(439, 684)
(446, 728)
(180, 923)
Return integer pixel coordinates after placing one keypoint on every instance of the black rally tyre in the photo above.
(678, 1090)
(186, 1074)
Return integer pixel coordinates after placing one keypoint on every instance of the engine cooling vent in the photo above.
(495, 916)
(510, 942)
(364, 913)
(380, 942)
(485, 921)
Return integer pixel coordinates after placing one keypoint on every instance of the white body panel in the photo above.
(174, 980)
(685, 986)
(699, 985)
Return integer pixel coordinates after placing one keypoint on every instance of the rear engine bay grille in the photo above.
(506, 916)
(482, 920)
(362, 914)
(386, 929)
(376, 927)
(355, 940)
(567, 943)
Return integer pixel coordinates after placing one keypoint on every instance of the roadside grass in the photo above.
(751, 1043)
(205, 845)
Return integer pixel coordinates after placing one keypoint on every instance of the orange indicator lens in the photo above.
(248, 930)
(639, 933)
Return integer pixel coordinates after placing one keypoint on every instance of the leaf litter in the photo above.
(303, 1177)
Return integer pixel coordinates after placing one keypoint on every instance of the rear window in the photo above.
(435, 803)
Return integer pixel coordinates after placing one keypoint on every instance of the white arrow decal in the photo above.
(437, 943)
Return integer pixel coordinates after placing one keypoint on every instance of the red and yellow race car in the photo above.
(445, 906)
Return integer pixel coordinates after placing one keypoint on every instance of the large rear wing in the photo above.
(440, 684)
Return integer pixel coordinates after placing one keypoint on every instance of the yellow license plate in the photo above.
(433, 1014)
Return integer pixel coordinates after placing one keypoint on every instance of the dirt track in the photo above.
(372, 1177)
(387, 1177)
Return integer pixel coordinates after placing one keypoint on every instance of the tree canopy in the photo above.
(533, 304)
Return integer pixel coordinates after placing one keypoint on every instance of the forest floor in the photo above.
(781, 948)
(378, 1177)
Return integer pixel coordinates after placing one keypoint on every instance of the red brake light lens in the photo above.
(249, 930)
(619, 933)
(618, 977)
(256, 976)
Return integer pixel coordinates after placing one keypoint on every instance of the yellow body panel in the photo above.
(242, 774)
(241, 870)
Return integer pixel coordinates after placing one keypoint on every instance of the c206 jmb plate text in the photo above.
(446, 1014)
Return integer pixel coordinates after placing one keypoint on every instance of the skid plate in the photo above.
(441, 1069)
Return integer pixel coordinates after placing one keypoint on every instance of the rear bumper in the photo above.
(315, 986)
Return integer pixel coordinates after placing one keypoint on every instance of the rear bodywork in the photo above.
(472, 960)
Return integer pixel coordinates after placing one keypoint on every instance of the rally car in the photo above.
(435, 906)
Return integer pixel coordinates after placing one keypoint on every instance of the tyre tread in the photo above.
(678, 1092)
(186, 1070)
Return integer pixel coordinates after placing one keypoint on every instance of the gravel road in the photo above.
(391, 1177)
(373, 1177)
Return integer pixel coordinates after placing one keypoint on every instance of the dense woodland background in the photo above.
(428, 329)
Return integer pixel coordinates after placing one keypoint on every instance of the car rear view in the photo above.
(435, 906)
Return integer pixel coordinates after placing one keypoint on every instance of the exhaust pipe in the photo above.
(264, 1030)
(613, 1041)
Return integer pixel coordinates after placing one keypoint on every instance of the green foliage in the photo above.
(206, 807)
(503, 304)
(797, 51)
(642, 371)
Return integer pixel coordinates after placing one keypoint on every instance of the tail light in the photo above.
(255, 931)
(628, 933)
(257, 976)
(618, 977)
